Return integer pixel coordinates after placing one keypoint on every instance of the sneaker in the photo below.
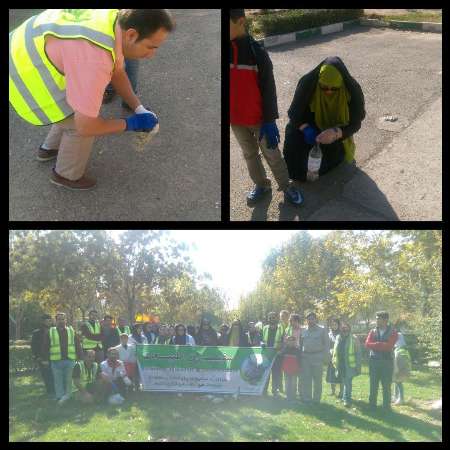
(108, 97)
(257, 193)
(63, 399)
(46, 155)
(83, 184)
(399, 401)
(294, 195)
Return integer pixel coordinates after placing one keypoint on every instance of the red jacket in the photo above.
(381, 346)
(253, 99)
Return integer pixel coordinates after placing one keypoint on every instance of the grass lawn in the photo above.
(165, 417)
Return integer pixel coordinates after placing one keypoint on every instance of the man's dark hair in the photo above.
(107, 316)
(295, 317)
(236, 14)
(382, 315)
(146, 21)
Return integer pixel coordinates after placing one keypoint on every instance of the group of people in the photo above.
(327, 109)
(98, 361)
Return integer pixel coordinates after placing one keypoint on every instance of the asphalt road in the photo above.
(176, 178)
(400, 73)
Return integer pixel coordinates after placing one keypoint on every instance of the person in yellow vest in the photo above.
(347, 360)
(60, 63)
(92, 335)
(86, 379)
(272, 336)
(63, 349)
(123, 327)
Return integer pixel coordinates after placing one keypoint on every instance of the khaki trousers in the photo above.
(247, 138)
(74, 150)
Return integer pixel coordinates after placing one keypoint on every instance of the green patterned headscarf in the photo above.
(332, 110)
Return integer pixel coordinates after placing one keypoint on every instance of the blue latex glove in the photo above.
(141, 122)
(310, 134)
(270, 131)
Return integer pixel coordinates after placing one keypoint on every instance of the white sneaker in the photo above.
(399, 401)
(63, 399)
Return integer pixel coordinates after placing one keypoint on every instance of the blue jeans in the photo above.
(291, 386)
(62, 377)
(131, 68)
(399, 392)
(347, 392)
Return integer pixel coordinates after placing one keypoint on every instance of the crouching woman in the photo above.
(328, 108)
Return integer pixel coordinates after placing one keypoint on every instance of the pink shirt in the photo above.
(88, 70)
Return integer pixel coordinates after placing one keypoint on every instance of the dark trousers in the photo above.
(380, 370)
(47, 377)
(276, 375)
(296, 154)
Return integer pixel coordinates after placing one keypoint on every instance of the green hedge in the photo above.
(298, 20)
(20, 358)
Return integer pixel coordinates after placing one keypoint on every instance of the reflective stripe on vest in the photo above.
(350, 353)
(55, 347)
(278, 335)
(37, 90)
(89, 343)
(85, 376)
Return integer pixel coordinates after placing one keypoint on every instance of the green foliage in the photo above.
(299, 19)
(20, 358)
(352, 274)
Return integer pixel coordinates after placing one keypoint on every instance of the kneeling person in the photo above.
(86, 379)
(114, 375)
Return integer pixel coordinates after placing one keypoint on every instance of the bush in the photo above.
(298, 20)
(20, 358)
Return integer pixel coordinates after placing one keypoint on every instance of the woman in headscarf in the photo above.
(206, 334)
(236, 336)
(137, 336)
(181, 337)
(328, 108)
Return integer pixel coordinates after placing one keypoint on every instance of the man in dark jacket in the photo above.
(253, 110)
(380, 342)
(36, 349)
(303, 130)
(110, 333)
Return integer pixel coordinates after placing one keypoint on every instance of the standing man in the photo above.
(254, 110)
(110, 334)
(380, 342)
(92, 335)
(315, 352)
(36, 348)
(122, 327)
(272, 336)
(63, 349)
(60, 63)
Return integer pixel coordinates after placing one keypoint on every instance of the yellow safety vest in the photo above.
(90, 343)
(278, 335)
(55, 348)
(126, 329)
(85, 376)
(350, 347)
(37, 90)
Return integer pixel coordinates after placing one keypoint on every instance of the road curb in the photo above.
(272, 41)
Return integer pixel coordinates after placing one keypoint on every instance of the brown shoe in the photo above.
(83, 184)
(46, 155)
